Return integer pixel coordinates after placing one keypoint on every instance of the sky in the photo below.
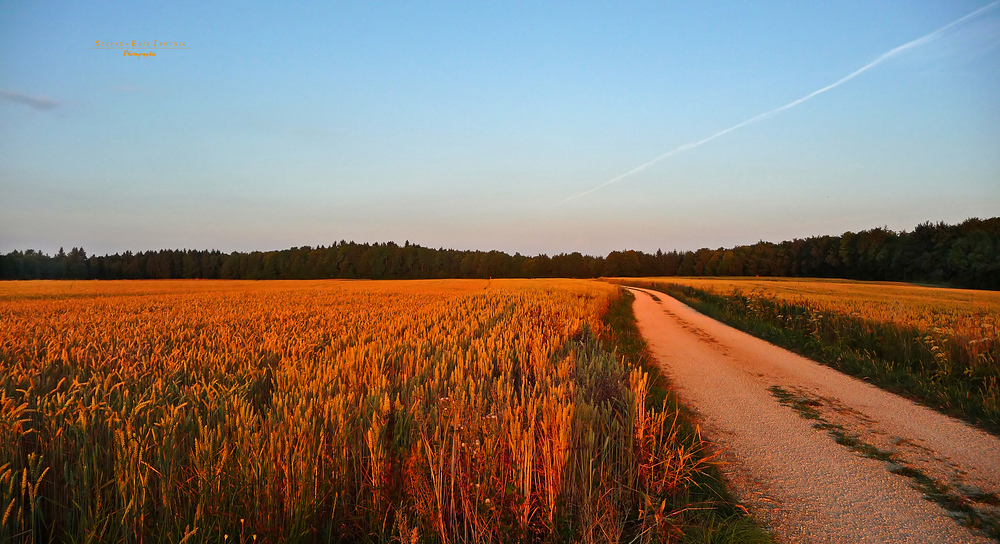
(491, 125)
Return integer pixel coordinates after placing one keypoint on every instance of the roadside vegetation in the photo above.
(317, 411)
(940, 347)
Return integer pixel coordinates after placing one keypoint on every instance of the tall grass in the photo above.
(946, 359)
(330, 411)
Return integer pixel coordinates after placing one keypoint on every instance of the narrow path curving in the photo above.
(794, 436)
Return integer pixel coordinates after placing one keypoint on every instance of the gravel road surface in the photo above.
(801, 483)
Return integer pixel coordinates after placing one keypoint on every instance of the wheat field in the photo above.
(888, 302)
(413, 411)
(962, 324)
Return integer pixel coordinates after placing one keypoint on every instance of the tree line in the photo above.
(963, 255)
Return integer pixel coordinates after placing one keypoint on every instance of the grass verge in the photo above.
(712, 513)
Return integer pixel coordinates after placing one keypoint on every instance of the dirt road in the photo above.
(760, 405)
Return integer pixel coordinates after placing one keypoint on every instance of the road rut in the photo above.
(795, 477)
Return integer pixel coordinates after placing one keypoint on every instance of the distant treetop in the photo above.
(963, 255)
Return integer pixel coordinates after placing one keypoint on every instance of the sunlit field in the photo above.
(454, 410)
(895, 302)
(939, 345)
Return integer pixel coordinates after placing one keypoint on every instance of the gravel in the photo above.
(795, 478)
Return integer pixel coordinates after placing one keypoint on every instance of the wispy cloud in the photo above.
(37, 102)
(881, 58)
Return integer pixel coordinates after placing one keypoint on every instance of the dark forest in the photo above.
(963, 255)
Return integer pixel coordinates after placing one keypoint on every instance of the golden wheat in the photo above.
(439, 410)
(889, 302)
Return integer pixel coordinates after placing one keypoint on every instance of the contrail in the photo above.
(882, 58)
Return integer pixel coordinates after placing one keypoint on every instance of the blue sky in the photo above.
(469, 125)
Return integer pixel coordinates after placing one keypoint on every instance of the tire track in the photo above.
(805, 461)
